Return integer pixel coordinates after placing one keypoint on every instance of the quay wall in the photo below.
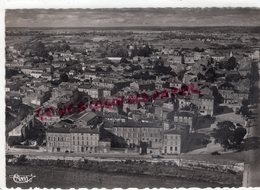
(200, 171)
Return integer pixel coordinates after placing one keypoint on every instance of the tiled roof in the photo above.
(72, 130)
(184, 114)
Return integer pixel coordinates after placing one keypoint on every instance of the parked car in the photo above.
(215, 153)
(157, 156)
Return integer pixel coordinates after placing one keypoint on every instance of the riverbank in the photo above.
(229, 176)
(65, 178)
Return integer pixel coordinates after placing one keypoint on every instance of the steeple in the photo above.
(231, 54)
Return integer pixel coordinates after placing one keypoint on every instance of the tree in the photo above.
(40, 49)
(210, 75)
(65, 46)
(50, 58)
(231, 63)
(10, 72)
(64, 77)
(244, 110)
(197, 49)
(124, 60)
(99, 69)
(217, 96)
(201, 76)
(223, 133)
(238, 137)
(228, 135)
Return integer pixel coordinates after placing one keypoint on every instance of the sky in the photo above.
(132, 17)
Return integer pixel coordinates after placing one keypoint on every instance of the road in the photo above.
(220, 159)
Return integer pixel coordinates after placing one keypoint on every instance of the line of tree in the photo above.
(228, 135)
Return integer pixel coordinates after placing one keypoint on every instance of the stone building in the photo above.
(134, 133)
(174, 139)
(76, 133)
(72, 140)
(185, 117)
(227, 91)
(206, 105)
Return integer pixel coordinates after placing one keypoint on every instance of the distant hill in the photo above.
(206, 29)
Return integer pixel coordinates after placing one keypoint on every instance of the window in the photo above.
(176, 148)
(171, 148)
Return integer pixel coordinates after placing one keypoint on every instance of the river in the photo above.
(54, 177)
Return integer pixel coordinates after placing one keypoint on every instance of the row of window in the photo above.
(67, 144)
(137, 135)
(171, 143)
(84, 149)
(50, 138)
(176, 137)
(171, 148)
(55, 138)
(85, 137)
(137, 129)
(60, 144)
(182, 118)
(94, 143)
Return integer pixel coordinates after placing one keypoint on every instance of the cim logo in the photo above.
(22, 178)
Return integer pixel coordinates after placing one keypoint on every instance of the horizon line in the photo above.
(137, 26)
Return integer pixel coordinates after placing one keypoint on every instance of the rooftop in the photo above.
(86, 116)
(72, 130)
(132, 124)
(184, 114)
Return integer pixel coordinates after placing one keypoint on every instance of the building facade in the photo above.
(81, 140)
(135, 133)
